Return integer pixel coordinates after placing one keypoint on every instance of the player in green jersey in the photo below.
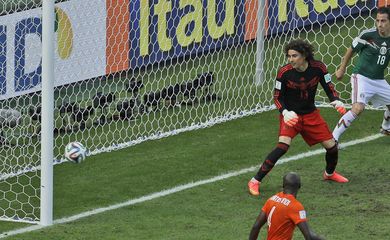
(367, 79)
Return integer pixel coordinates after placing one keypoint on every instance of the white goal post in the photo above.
(47, 139)
(128, 71)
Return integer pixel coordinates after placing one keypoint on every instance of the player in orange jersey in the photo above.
(283, 212)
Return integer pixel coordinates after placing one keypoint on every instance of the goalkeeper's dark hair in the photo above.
(384, 10)
(301, 46)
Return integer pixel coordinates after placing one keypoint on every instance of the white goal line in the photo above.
(159, 135)
(229, 116)
(180, 188)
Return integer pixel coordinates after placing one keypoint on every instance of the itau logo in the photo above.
(63, 28)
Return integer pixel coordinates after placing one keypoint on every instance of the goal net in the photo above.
(127, 71)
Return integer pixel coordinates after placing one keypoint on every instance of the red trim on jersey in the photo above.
(276, 99)
(319, 64)
(284, 69)
(334, 92)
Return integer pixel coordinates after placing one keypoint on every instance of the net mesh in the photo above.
(130, 71)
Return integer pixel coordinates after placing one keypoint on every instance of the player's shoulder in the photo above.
(292, 201)
(296, 205)
(367, 33)
(269, 203)
(297, 212)
(283, 70)
(274, 198)
(319, 65)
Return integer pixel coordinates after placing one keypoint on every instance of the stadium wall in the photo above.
(150, 32)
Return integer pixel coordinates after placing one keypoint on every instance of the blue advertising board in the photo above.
(162, 30)
(287, 15)
(165, 29)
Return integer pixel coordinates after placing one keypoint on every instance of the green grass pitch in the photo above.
(223, 209)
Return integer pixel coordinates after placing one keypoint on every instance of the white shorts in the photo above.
(365, 90)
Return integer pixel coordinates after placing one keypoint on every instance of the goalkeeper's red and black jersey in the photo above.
(295, 91)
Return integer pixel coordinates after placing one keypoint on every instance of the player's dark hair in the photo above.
(384, 10)
(301, 46)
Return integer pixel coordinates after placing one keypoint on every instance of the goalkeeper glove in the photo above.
(290, 118)
(339, 105)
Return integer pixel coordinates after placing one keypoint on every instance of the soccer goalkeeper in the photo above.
(294, 94)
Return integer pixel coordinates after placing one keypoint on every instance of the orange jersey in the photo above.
(283, 213)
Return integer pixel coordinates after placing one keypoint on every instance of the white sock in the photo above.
(327, 174)
(254, 180)
(386, 120)
(344, 122)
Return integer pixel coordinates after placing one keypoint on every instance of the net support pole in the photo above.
(261, 16)
(46, 205)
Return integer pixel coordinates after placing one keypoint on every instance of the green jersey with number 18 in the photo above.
(374, 54)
